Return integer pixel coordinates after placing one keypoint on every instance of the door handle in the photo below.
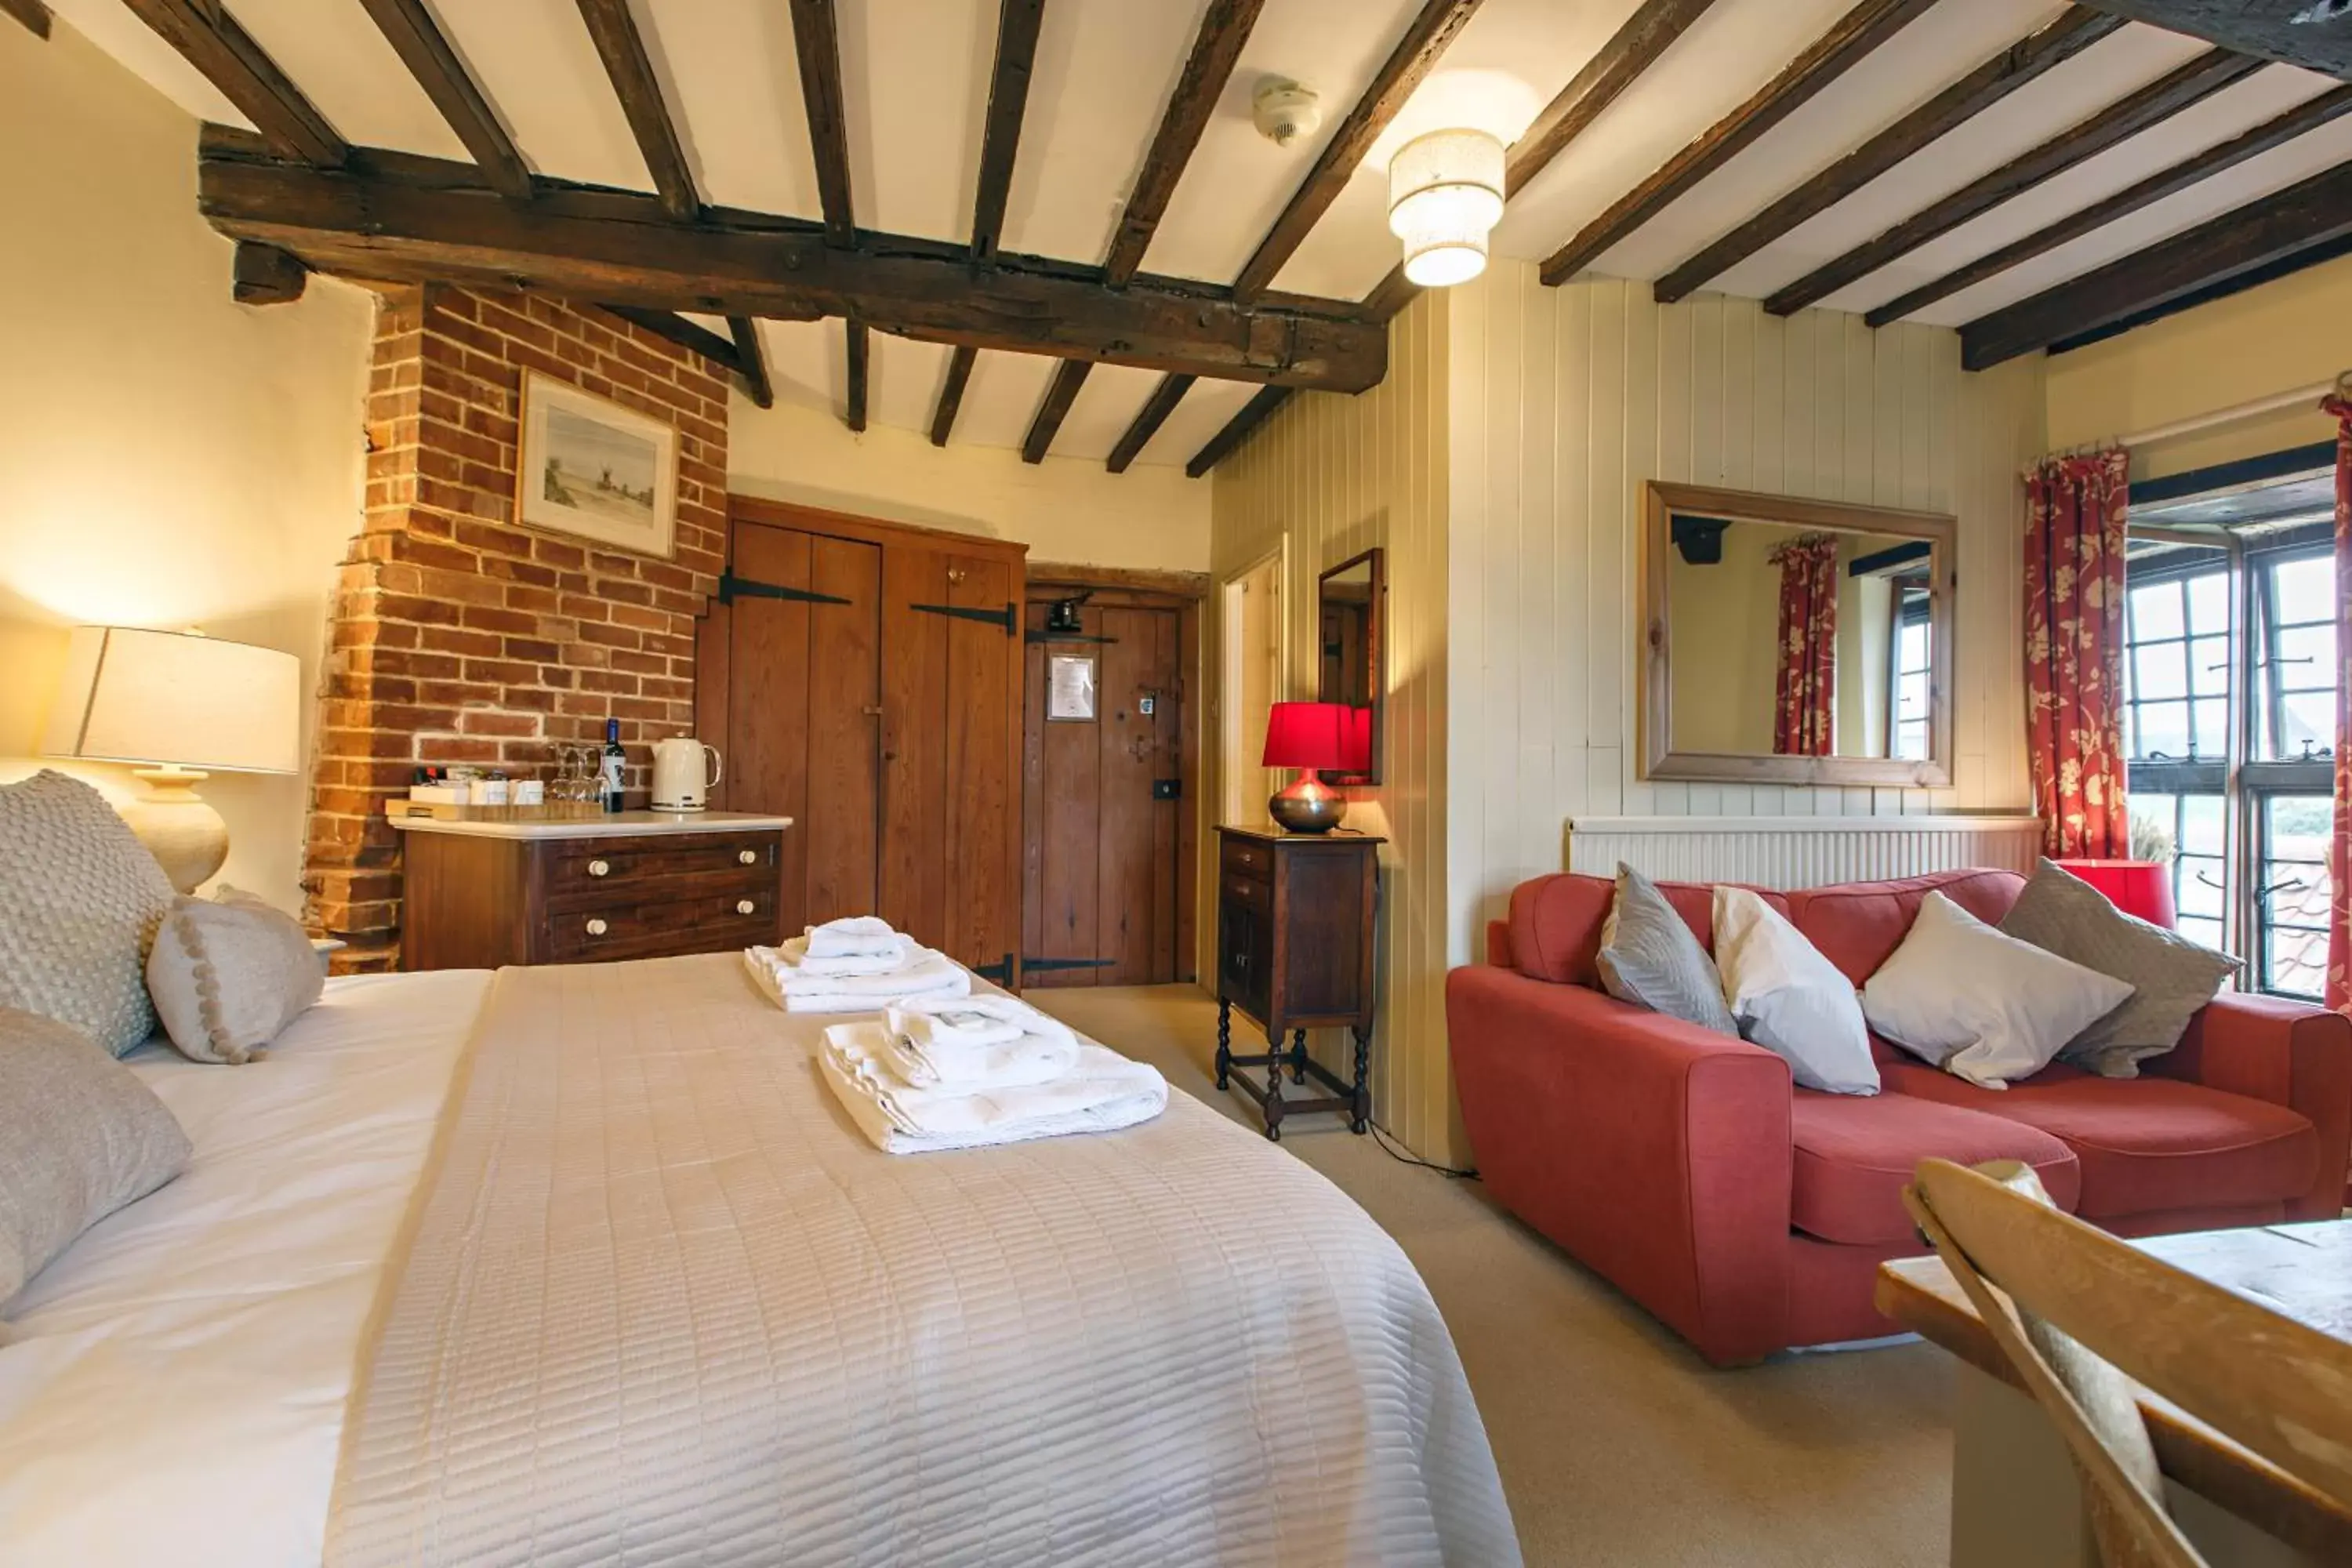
(871, 710)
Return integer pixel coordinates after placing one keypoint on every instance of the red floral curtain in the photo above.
(2075, 651)
(2339, 848)
(1804, 719)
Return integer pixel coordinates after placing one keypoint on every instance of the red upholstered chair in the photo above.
(1752, 1216)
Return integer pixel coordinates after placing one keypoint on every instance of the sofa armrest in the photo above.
(2289, 1053)
(1656, 1152)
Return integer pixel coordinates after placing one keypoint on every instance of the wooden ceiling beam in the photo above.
(751, 360)
(2317, 36)
(859, 347)
(622, 49)
(817, 40)
(211, 40)
(958, 377)
(1017, 25)
(417, 39)
(673, 328)
(32, 13)
(265, 275)
(1060, 392)
(2177, 89)
(422, 219)
(1254, 413)
(2274, 132)
(2074, 30)
(1415, 56)
(1826, 58)
(1148, 420)
(1225, 28)
(2309, 217)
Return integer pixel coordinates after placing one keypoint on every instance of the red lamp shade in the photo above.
(1308, 735)
(2142, 888)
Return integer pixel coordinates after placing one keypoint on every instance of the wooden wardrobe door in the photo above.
(844, 678)
(766, 738)
(915, 794)
(982, 702)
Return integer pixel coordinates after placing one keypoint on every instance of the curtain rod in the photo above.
(2277, 402)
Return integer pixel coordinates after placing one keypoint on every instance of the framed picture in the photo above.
(594, 469)
(1070, 688)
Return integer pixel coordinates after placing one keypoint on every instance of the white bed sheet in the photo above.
(174, 1388)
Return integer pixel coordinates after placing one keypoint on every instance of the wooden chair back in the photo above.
(2081, 1315)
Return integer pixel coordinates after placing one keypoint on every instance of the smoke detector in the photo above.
(1283, 111)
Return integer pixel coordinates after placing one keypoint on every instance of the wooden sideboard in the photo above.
(639, 884)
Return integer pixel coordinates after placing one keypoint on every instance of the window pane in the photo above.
(2303, 590)
(1913, 702)
(2160, 727)
(1914, 654)
(2209, 666)
(2200, 825)
(2205, 934)
(2212, 727)
(2200, 891)
(1911, 740)
(2208, 603)
(2305, 716)
(2295, 913)
(2306, 659)
(2159, 671)
(2156, 613)
(2299, 827)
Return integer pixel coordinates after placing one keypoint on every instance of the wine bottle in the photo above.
(609, 782)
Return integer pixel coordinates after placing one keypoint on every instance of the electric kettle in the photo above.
(678, 781)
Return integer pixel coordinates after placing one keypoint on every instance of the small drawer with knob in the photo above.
(709, 922)
(597, 871)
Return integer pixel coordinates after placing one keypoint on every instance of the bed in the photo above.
(583, 1264)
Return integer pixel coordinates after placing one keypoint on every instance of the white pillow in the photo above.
(1982, 1005)
(1789, 999)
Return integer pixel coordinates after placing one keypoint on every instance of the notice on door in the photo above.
(1070, 688)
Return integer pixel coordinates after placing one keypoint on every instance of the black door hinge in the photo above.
(732, 588)
(1005, 618)
(1038, 965)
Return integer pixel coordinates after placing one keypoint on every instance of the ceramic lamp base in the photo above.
(1308, 805)
(178, 826)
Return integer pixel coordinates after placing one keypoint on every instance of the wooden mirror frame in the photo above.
(1375, 654)
(1661, 761)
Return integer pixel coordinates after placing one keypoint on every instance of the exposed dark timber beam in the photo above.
(264, 275)
(1415, 56)
(226, 53)
(1017, 23)
(1225, 28)
(413, 35)
(32, 13)
(1646, 35)
(686, 334)
(944, 417)
(422, 219)
(623, 50)
(1254, 413)
(817, 41)
(1148, 420)
(1826, 58)
(2075, 30)
(2275, 133)
(751, 360)
(860, 342)
(1062, 390)
(2307, 217)
(2315, 33)
(2160, 100)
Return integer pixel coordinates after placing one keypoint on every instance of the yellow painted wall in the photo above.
(167, 458)
(2294, 333)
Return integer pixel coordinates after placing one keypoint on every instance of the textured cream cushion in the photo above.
(80, 1137)
(1789, 999)
(228, 973)
(79, 902)
(1648, 957)
(2170, 976)
(1982, 1006)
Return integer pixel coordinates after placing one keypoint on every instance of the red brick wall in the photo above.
(458, 636)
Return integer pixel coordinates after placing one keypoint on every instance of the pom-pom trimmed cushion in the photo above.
(1789, 999)
(79, 902)
(228, 974)
(1649, 957)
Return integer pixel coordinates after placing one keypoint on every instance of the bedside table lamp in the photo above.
(1310, 736)
(183, 703)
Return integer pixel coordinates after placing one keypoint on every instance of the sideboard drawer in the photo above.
(1243, 858)
(704, 922)
(602, 868)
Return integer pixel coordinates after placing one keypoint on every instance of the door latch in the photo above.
(1168, 789)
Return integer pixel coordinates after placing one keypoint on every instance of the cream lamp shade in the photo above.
(1445, 192)
(184, 703)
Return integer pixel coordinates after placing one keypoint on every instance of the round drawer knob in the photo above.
(596, 927)
(747, 857)
(746, 907)
(600, 867)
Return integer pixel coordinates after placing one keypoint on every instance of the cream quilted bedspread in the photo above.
(663, 1304)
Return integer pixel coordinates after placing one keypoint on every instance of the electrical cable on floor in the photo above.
(1385, 1139)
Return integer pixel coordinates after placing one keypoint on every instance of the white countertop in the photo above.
(617, 824)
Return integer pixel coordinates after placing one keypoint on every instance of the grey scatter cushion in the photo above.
(79, 902)
(1648, 957)
(2171, 977)
(80, 1137)
(228, 974)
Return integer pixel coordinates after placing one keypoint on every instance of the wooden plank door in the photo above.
(984, 743)
(915, 794)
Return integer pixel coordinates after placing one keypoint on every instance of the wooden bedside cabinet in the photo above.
(1295, 916)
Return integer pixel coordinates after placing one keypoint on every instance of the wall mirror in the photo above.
(1351, 600)
(1793, 641)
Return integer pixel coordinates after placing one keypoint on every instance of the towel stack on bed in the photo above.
(855, 966)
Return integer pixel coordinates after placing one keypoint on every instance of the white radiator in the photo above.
(1799, 851)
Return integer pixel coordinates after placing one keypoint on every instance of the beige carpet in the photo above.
(1617, 1445)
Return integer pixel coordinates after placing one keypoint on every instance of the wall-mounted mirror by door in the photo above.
(1351, 601)
(1794, 641)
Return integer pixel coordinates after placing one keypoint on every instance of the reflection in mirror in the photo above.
(1347, 664)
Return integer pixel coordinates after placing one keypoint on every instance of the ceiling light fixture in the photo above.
(1445, 192)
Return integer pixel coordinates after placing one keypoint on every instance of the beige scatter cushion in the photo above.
(79, 902)
(228, 974)
(80, 1137)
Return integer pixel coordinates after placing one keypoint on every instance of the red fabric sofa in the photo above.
(1752, 1216)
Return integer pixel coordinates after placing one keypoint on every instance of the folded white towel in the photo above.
(1103, 1092)
(1017, 1063)
(794, 951)
(987, 1019)
(974, 1041)
(930, 975)
(853, 936)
